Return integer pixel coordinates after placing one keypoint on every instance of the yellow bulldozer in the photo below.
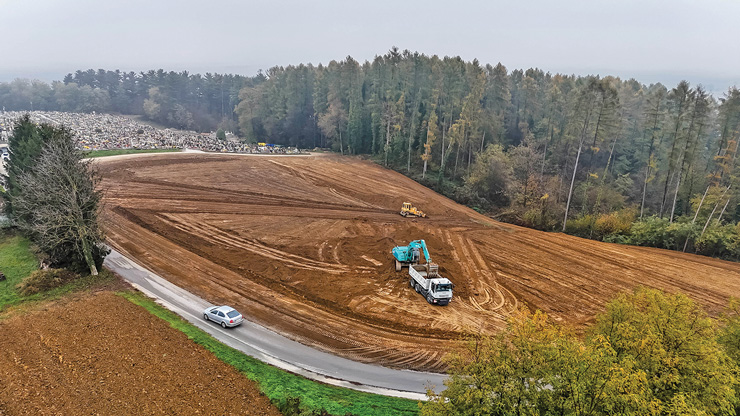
(407, 209)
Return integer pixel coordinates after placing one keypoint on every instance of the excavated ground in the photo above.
(302, 244)
(101, 354)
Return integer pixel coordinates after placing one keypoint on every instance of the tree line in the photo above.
(175, 99)
(599, 157)
(587, 155)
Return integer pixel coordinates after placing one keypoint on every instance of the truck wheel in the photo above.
(398, 266)
(411, 282)
(416, 287)
(429, 299)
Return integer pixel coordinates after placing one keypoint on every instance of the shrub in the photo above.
(581, 226)
(717, 241)
(614, 223)
(43, 280)
(649, 232)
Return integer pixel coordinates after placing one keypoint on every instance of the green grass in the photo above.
(116, 152)
(17, 261)
(279, 385)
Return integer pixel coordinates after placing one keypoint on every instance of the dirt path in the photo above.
(302, 244)
(102, 354)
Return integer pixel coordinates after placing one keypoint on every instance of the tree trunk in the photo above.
(457, 158)
(341, 145)
(572, 182)
(87, 253)
(482, 141)
(696, 214)
(719, 219)
(675, 197)
(713, 211)
(387, 140)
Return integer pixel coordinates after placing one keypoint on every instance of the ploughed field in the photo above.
(302, 244)
(98, 353)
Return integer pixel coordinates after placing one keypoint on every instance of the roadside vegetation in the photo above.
(115, 152)
(291, 393)
(26, 283)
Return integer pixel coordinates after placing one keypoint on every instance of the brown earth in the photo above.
(303, 245)
(101, 354)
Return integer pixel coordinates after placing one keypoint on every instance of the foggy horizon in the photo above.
(650, 41)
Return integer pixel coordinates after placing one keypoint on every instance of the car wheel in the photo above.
(223, 324)
(205, 316)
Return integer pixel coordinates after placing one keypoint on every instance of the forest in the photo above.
(594, 156)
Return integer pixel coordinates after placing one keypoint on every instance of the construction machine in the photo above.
(410, 255)
(407, 209)
(424, 278)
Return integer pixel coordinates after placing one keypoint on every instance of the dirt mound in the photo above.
(303, 245)
(104, 355)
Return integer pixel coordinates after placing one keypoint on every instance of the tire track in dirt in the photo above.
(307, 241)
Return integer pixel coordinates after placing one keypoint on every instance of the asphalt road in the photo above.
(274, 349)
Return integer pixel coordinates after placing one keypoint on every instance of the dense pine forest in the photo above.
(595, 156)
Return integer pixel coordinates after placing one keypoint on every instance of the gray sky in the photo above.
(649, 40)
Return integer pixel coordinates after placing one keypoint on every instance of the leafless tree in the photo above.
(58, 205)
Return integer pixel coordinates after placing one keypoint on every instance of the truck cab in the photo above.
(441, 291)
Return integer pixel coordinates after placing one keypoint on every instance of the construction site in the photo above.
(303, 245)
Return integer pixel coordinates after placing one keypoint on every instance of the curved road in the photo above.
(275, 349)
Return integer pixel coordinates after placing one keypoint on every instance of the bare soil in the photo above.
(303, 245)
(101, 354)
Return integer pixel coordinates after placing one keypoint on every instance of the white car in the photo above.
(224, 315)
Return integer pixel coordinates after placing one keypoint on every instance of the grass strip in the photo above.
(279, 385)
(17, 261)
(116, 152)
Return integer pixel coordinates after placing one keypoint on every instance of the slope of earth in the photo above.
(101, 354)
(302, 245)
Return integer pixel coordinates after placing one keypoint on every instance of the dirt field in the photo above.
(302, 245)
(102, 354)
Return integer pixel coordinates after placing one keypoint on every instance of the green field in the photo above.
(16, 262)
(279, 385)
(116, 152)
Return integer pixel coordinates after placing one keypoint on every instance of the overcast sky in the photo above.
(649, 40)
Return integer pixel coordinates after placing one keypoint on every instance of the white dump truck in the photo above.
(425, 279)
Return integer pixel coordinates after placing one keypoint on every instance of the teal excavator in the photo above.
(409, 255)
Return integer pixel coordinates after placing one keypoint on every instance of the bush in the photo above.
(614, 223)
(649, 232)
(581, 226)
(44, 280)
(718, 241)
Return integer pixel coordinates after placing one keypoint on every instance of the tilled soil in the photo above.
(102, 354)
(303, 245)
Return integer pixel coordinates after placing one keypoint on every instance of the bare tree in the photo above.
(58, 205)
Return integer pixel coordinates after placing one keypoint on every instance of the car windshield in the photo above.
(443, 287)
(233, 314)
